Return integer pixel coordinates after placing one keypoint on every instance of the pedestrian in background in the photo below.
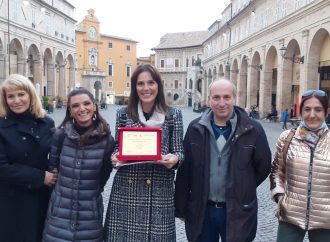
(25, 139)
(300, 178)
(226, 158)
(81, 153)
(141, 204)
(285, 115)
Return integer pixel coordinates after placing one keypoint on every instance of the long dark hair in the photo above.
(99, 120)
(132, 107)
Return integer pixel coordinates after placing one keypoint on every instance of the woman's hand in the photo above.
(114, 160)
(50, 178)
(168, 160)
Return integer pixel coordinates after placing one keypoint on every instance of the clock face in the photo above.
(92, 32)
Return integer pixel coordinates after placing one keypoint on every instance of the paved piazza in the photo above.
(267, 223)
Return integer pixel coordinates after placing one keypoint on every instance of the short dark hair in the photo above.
(322, 98)
(132, 107)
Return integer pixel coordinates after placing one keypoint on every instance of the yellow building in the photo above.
(105, 63)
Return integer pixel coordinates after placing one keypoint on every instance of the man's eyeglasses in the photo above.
(319, 93)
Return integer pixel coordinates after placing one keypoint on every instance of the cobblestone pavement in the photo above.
(267, 223)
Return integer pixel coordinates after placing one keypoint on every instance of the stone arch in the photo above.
(214, 74)
(48, 73)
(242, 83)
(318, 63)
(60, 82)
(33, 64)
(175, 96)
(2, 62)
(17, 60)
(221, 73)
(97, 90)
(253, 83)
(268, 86)
(234, 72)
(227, 70)
(290, 85)
(70, 74)
(1, 46)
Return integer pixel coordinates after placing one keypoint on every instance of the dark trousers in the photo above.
(289, 232)
(284, 125)
(214, 225)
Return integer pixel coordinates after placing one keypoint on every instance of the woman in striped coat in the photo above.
(141, 204)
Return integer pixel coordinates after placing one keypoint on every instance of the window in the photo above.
(128, 84)
(128, 47)
(110, 45)
(193, 61)
(187, 62)
(176, 62)
(128, 71)
(110, 84)
(176, 84)
(110, 70)
(162, 63)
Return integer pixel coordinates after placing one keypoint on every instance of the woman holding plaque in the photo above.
(141, 204)
(81, 152)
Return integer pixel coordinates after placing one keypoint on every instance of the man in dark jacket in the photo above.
(227, 157)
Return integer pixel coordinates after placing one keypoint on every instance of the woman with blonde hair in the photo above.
(25, 139)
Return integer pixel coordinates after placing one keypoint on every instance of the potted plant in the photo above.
(59, 102)
(45, 102)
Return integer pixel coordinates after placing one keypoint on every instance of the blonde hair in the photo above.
(16, 81)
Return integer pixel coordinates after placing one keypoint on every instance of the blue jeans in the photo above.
(214, 225)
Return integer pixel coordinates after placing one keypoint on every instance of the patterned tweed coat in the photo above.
(141, 204)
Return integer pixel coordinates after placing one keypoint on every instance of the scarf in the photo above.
(309, 136)
(156, 120)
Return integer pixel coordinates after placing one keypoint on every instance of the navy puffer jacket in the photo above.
(75, 211)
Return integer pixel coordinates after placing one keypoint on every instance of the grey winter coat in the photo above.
(75, 211)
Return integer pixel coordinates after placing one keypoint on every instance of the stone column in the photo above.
(266, 83)
(21, 67)
(51, 80)
(2, 66)
(284, 84)
(252, 87)
(37, 72)
(72, 80)
(241, 89)
(61, 82)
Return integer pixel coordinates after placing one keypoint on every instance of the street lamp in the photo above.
(299, 60)
(256, 67)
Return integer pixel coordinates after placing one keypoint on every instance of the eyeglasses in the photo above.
(319, 93)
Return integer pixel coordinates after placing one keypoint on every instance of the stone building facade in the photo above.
(272, 49)
(105, 62)
(37, 39)
(178, 58)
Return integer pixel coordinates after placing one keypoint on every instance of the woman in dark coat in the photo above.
(25, 140)
(141, 204)
(81, 153)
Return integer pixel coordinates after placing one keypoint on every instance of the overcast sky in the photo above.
(146, 21)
